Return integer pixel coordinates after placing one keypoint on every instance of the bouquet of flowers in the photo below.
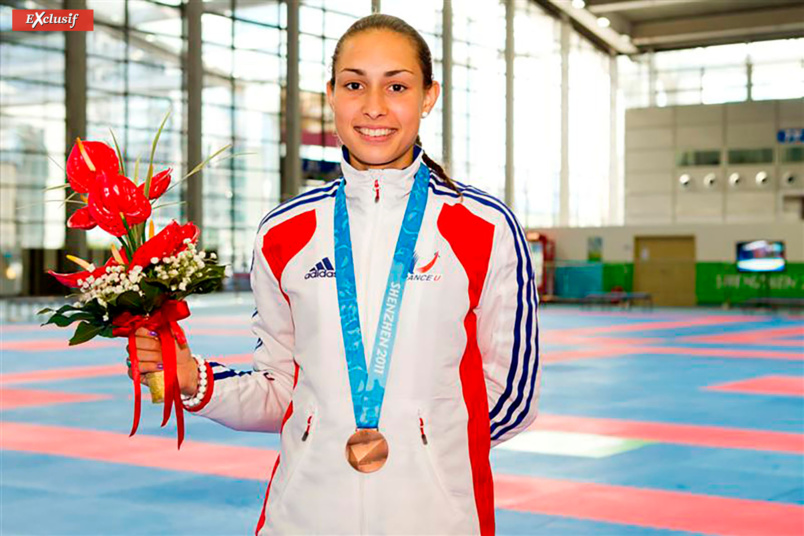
(145, 280)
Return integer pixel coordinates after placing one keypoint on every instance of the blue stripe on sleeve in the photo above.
(499, 428)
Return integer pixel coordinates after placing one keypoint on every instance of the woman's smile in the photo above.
(375, 135)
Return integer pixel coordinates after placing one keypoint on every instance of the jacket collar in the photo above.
(395, 183)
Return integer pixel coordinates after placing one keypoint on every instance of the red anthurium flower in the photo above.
(82, 219)
(167, 242)
(71, 280)
(159, 184)
(113, 194)
(103, 158)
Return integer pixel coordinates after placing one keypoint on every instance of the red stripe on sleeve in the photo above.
(471, 238)
(288, 413)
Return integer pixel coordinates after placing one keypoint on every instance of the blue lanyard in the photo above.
(368, 387)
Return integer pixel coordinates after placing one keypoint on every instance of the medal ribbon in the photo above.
(368, 386)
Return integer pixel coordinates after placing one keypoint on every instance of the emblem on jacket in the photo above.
(424, 272)
(322, 268)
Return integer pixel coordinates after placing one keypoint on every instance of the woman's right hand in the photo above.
(149, 353)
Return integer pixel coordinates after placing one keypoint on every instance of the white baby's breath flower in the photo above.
(182, 286)
(154, 260)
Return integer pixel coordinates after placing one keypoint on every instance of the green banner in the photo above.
(720, 282)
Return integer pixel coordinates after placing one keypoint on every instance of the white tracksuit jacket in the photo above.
(464, 374)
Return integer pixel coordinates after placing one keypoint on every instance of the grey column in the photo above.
(376, 6)
(564, 197)
(509, 103)
(446, 86)
(291, 172)
(749, 73)
(194, 79)
(75, 103)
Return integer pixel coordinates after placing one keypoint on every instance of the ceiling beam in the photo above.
(627, 5)
(745, 25)
(615, 41)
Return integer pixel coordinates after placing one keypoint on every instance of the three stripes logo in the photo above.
(323, 268)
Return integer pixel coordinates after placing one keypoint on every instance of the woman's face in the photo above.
(378, 99)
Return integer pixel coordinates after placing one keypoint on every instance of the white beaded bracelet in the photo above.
(192, 401)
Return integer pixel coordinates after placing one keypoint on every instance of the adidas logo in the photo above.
(322, 268)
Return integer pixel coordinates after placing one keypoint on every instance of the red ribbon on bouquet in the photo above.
(164, 321)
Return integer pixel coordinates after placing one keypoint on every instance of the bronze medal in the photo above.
(367, 450)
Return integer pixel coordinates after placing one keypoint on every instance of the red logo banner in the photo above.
(52, 20)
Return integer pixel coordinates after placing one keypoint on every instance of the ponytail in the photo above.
(436, 167)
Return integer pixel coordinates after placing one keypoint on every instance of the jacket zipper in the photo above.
(367, 270)
(367, 258)
(421, 429)
(307, 430)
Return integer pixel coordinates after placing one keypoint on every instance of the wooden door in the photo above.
(664, 266)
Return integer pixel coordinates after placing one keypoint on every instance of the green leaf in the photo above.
(160, 284)
(45, 310)
(150, 290)
(153, 152)
(57, 165)
(137, 170)
(107, 332)
(129, 300)
(57, 187)
(199, 167)
(84, 332)
(63, 320)
(67, 307)
(95, 308)
(163, 205)
(119, 154)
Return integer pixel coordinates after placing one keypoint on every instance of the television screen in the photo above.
(760, 256)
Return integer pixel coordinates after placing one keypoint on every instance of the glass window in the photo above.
(32, 137)
(792, 154)
(478, 123)
(589, 133)
(698, 158)
(244, 60)
(537, 118)
(716, 74)
(750, 156)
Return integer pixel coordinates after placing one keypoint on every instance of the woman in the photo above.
(389, 371)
